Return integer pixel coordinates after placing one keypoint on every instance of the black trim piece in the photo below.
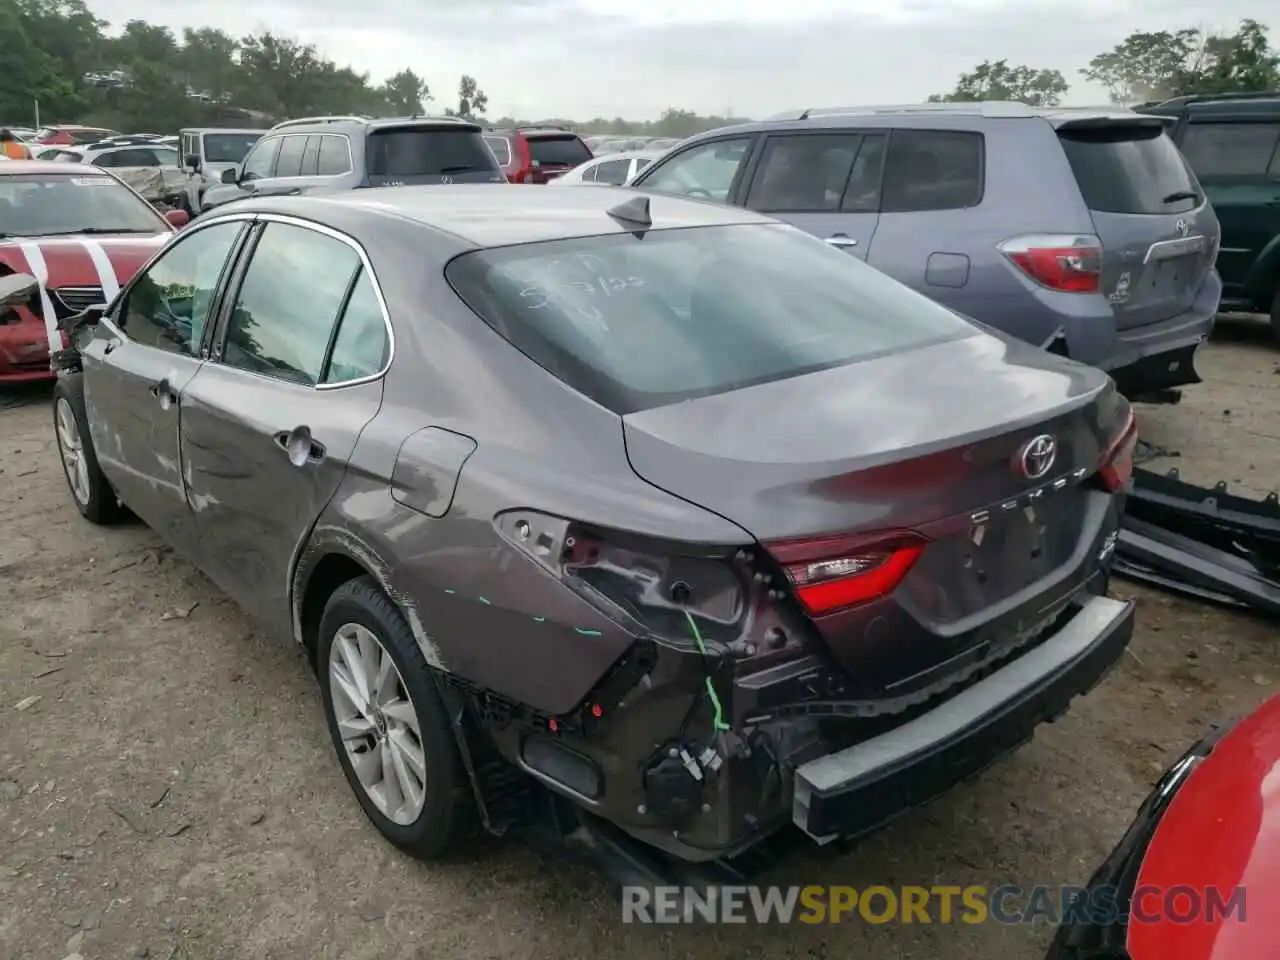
(866, 803)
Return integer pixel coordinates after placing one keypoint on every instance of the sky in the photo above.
(634, 58)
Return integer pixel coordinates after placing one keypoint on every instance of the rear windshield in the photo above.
(427, 152)
(568, 150)
(1130, 170)
(641, 322)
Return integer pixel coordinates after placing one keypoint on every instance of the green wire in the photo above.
(711, 690)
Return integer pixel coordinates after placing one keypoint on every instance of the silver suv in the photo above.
(1082, 231)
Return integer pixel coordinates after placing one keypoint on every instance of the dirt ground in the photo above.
(172, 792)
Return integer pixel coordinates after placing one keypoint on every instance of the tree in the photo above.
(996, 80)
(1165, 64)
(472, 101)
(405, 93)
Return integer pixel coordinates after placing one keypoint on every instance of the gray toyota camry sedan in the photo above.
(655, 524)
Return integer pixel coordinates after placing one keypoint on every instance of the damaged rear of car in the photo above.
(928, 515)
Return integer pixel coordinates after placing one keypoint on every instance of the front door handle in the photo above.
(110, 345)
(163, 392)
(300, 446)
(841, 240)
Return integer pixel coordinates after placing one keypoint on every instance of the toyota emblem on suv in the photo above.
(1182, 227)
(1036, 457)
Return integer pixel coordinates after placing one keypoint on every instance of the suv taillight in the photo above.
(1070, 263)
(1116, 464)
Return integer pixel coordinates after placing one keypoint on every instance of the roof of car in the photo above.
(220, 130)
(46, 166)
(498, 215)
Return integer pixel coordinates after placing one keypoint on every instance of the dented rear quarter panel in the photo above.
(478, 607)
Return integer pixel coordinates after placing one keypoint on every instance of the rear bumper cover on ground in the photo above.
(856, 790)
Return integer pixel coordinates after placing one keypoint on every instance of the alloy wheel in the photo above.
(377, 723)
(71, 447)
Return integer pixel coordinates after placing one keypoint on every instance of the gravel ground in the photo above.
(171, 791)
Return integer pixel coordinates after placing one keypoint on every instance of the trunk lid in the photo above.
(1159, 235)
(863, 448)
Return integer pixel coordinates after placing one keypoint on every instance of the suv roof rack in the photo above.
(985, 108)
(335, 118)
(1216, 98)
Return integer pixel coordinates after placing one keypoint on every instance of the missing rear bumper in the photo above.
(856, 790)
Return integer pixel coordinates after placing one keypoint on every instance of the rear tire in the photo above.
(90, 490)
(1275, 315)
(426, 824)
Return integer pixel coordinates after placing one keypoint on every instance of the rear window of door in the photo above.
(311, 156)
(401, 154)
(1130, 169)
(818, 173)
(501, 148)
(289, 302)
(289, 162)
(1233, 149)
(567, 151)
(335, 156)
(132, 157)
(611, 171)
(933, 170)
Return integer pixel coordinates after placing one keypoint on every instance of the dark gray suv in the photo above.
(1082, 230)
(346, 152)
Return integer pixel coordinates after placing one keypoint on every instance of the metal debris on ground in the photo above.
(1202, 542)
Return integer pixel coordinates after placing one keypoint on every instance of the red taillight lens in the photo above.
(834, 573)
(1068, 263)
(1116, 466)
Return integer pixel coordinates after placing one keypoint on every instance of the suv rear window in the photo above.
(1130, 169)
(427, 152)
(568, 150)
(637, 323)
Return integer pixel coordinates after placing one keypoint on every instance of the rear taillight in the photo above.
(1066, 262)
(1116, 466)
(834, 573)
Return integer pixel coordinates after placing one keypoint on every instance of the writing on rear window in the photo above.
(92, 181)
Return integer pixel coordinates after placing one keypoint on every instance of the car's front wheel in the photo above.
(388, 723)
(90, 489)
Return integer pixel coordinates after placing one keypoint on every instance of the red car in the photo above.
(79, 231)
(536, 155)
(1197, 876)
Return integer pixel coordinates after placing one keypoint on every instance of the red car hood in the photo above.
(107, 262)
(1221, 831)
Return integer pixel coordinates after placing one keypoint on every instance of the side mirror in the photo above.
(17, 288)
(230, 176)
(193, 161)
(177, 218)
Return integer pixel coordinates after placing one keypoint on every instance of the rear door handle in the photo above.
(110, 345)
(300, 446)
(841, 240)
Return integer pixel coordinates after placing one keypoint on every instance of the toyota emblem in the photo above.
(1036, 457)
(1182, 227)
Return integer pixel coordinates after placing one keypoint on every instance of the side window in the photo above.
(589, 175)
(289, 162)
(134, 157)
(335, 156)
(1232, 149)
(106, 160)
(311, 156)
(706, 171)
(612, 171)
(362, 345)
(168, 306)
(804, 172)
(288, 303)
(641, 163)
(258, 163)
(501, 150)
(933, 170)
(862, 194)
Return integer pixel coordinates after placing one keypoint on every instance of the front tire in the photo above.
(90, 490)
(389, 725)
